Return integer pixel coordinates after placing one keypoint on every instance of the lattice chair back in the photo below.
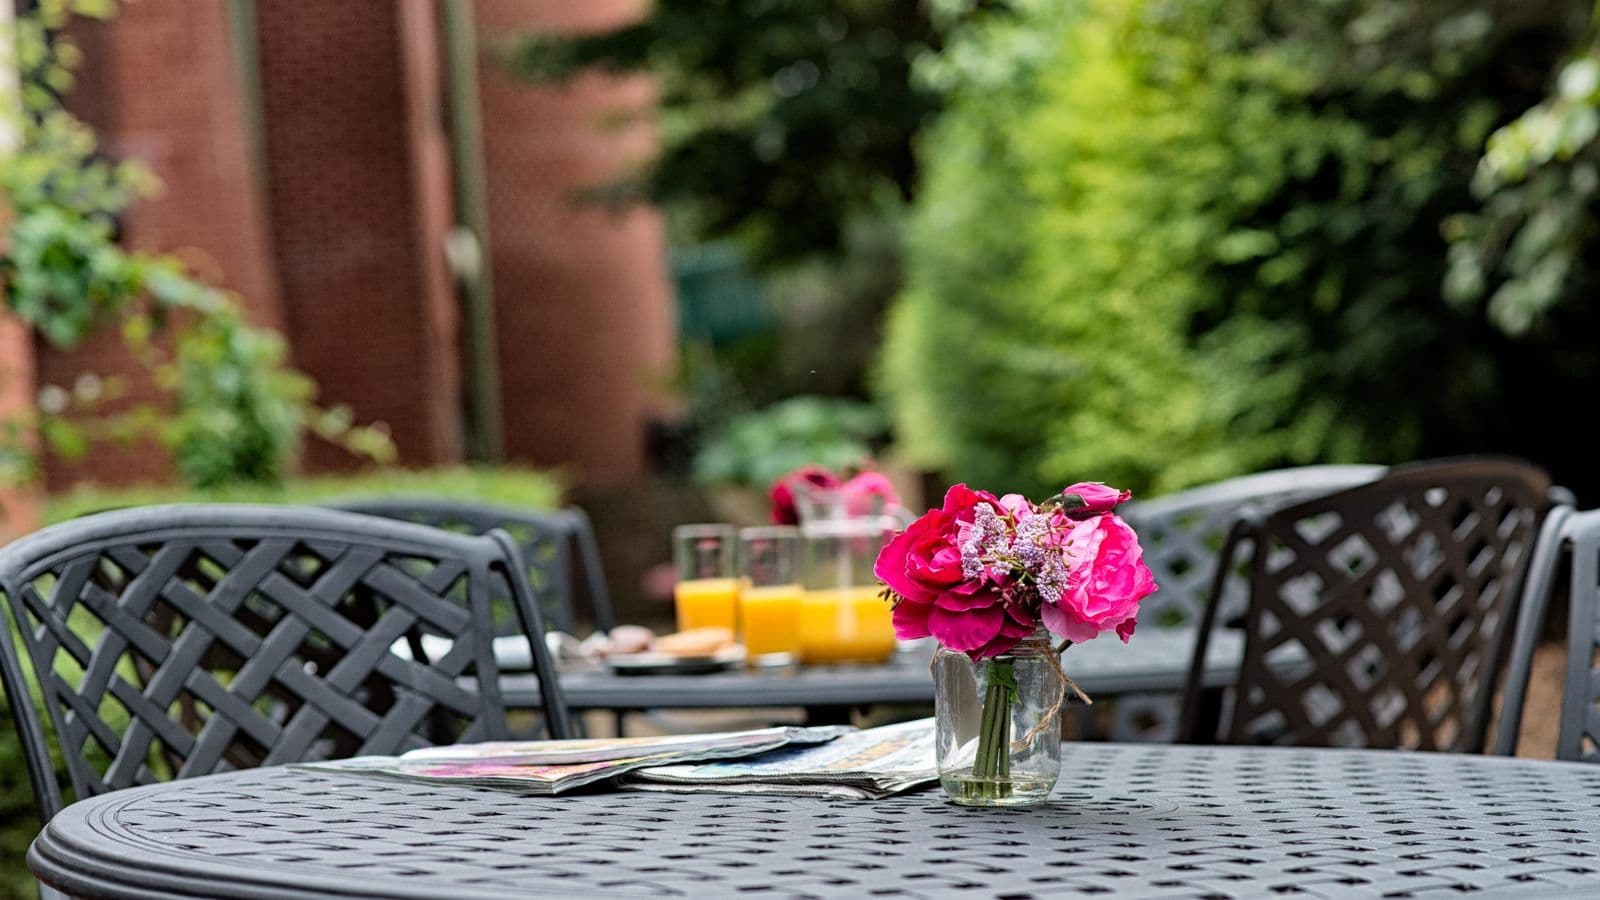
(174, 641)
(1379, 615)
(555, 544)
(1183, 536)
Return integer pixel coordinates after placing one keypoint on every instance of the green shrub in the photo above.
(504, 486)
(1184, 240)
(759, 447)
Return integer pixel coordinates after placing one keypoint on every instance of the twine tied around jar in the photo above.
(1054, 711)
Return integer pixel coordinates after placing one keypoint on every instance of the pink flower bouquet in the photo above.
(981, 574)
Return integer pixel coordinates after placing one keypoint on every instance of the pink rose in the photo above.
(1107, 581)
(1018, 624)
(923, 566)
(784, 511)
(1097, 499)
(1016, 505)
(869, 492)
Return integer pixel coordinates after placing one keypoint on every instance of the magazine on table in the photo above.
(550, 767)
(867, 764)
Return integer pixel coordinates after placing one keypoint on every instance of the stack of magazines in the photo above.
(831, 761)
(861, 765)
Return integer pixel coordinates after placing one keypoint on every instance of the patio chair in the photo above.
(550, 541)
(175, 641)
(1183, 535)
(1579, 737)
(1378, 615)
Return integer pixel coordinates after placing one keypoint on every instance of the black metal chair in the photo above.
(1378, 616)
(554, 544)
(174, 641)
(1573, 537)
(1183, 536)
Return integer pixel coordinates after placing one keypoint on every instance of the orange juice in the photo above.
(706, 603)
(770, 619)
(845, 625)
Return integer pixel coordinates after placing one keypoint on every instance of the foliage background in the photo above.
(787, 132)
(1165, 242)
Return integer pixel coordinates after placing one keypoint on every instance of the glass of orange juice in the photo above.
(707, 592)
(770, 594)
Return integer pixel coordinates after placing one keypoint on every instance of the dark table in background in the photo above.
(1126, 821)
(1157, 661)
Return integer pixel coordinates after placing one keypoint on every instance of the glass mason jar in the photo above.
(999, 724)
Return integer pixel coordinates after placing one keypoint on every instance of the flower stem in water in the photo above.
(991, 765)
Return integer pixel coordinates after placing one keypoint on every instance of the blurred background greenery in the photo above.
(1150, 241)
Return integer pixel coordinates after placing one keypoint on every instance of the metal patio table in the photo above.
(1156, 661)
(1131, 820)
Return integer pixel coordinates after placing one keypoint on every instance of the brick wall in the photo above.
(332, 227)
(160, 85)
(584, 310)
(19, 507)
(353, 207)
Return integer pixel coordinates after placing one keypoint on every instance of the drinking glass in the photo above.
(707, 593)
(770, 594)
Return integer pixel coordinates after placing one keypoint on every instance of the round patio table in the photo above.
(1126, 820)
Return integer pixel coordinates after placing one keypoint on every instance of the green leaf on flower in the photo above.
(1001, 673)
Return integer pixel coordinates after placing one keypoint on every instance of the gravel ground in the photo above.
(1541, 717)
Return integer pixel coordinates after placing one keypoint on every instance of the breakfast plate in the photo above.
(669, 664)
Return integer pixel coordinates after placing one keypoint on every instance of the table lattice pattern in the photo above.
(1126, 821)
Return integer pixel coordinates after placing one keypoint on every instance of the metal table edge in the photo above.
(70, 861)
(72, 865)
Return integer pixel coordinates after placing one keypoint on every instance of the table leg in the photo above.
(829, 715)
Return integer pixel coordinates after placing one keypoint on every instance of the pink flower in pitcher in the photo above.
(869, 492)
(1107, 579)
(784, 511)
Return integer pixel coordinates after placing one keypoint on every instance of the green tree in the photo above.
(1190, 239)
(1531, 245)
(788, 129)
(781, 122)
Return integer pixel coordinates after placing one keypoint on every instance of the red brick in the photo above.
(19, 504)
(160, 85)
(345, 206)
(583, 299)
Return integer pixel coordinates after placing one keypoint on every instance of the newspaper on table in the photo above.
(550, 767)
(863, 765)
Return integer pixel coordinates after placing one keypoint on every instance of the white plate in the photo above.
(667, 664)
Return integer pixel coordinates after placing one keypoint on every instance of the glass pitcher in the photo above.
(843, 618)
(818, 504)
